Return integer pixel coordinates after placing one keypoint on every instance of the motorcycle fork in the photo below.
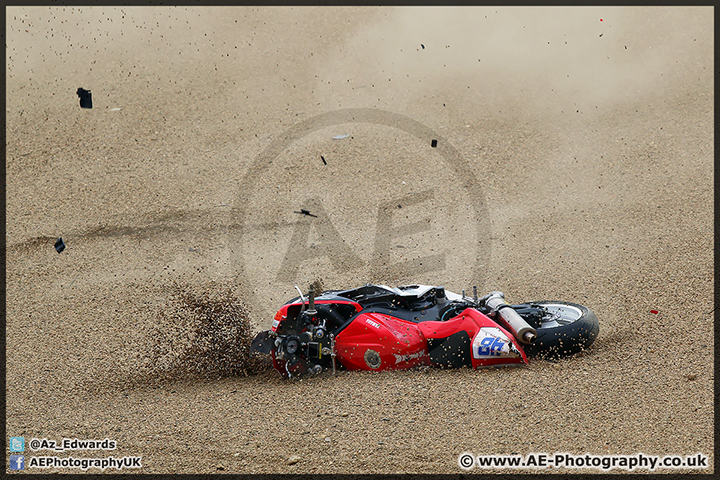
(332, 351)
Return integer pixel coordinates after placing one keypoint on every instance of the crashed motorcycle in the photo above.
(376, 327)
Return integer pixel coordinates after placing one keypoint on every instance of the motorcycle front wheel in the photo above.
(565, 329)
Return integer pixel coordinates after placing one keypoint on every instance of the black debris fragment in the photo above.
(423, 46)
(323, 159)
(433, 143)
(625, 47)
(601, 34)
(59, 245)
(85, 98)
(306, 212)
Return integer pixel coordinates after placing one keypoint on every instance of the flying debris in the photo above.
(306, 212)
(85, 98)
(59, 245)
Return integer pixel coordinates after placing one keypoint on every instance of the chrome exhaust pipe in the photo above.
(510, 318)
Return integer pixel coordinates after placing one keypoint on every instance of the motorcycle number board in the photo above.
(491, 342)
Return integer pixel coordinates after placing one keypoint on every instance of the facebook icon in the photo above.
(17, 462)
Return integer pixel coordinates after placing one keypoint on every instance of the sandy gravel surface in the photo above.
(574, 162)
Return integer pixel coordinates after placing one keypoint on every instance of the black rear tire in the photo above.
(567, 329)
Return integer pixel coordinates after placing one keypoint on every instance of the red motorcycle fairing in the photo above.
(374, 341)
(471, 339)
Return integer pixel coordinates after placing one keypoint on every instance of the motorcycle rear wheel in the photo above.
(565, 329)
